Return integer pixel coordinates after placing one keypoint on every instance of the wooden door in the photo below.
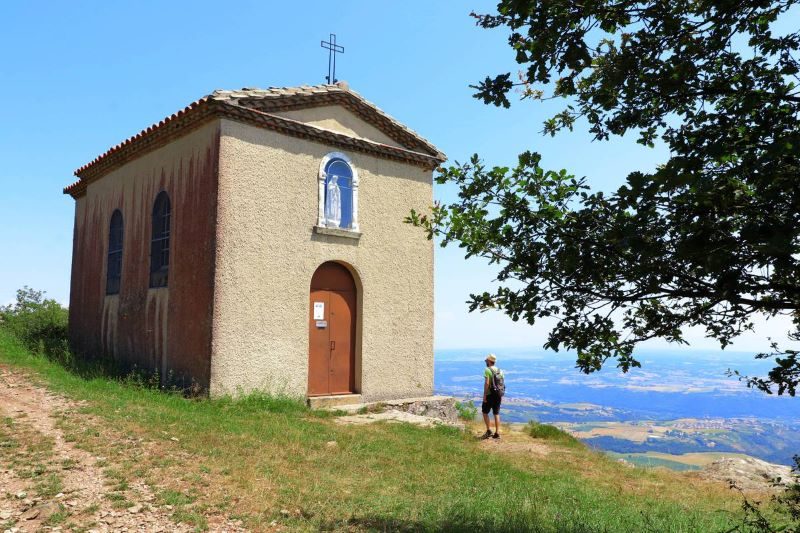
(332, 321)
(318, 346)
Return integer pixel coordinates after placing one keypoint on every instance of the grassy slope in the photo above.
(260, 456)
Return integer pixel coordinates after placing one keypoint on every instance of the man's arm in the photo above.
(486, 386)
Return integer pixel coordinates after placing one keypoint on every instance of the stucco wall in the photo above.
(267, 252)
(168, 329)
(338, 118)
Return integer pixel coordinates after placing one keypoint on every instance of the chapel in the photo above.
(255, 240)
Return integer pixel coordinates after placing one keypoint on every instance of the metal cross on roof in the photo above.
(333, 49)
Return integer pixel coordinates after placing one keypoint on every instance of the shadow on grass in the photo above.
(465, 524)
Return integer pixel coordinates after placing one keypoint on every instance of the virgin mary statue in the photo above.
(333, 202)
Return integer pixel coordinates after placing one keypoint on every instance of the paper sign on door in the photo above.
(319, 310)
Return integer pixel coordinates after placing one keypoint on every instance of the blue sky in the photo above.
(79, 77)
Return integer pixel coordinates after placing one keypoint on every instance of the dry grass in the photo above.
(683, 488)
(269, 462)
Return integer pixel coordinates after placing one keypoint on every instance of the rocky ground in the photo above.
(393, 415)
(748, 473)
(48, 483)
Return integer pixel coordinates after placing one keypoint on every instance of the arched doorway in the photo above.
(332, 331)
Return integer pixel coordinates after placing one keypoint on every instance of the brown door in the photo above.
(331, 351)
(319, 345)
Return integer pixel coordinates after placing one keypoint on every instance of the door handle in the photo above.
(333, 345)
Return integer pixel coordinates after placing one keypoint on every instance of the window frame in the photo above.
(159, 270)
(114, 254)
(321, 183)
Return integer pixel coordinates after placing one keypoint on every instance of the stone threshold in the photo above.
(333, 401)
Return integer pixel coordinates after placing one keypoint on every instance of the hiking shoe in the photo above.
(486, 435)
(496, 436)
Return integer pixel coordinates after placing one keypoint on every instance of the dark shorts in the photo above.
(492, 403)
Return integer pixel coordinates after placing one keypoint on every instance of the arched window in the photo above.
(159, 244)
(338, 193)
(114, 266)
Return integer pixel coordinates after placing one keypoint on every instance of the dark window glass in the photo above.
(114, 268)
(159, 245)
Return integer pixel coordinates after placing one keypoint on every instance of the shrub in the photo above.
(552, 433)
(466, 410)
(39, 322)
(785, 515)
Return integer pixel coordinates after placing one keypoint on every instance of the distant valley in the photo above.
(679, 410)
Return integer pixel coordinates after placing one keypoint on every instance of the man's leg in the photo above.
(485, 408)
(496, 411)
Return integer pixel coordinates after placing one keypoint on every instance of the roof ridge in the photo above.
(279, 90)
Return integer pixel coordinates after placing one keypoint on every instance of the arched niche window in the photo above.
(338, 193)
(114, 265)
(159, 244)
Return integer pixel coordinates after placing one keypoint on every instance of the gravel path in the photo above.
(30, 415)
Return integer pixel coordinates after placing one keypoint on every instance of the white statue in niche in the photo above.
(333, 203)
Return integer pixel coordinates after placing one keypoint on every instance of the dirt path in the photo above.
(515, 443)
(36, 460)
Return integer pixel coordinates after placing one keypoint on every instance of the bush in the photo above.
(39, 322)
(466, 410)
(785, 515)
(790, 500)
(552, 433)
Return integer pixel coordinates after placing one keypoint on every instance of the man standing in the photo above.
(493, 390)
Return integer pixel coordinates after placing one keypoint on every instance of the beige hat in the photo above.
(491, 358)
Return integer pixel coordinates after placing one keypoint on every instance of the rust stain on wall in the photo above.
(165, 329)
